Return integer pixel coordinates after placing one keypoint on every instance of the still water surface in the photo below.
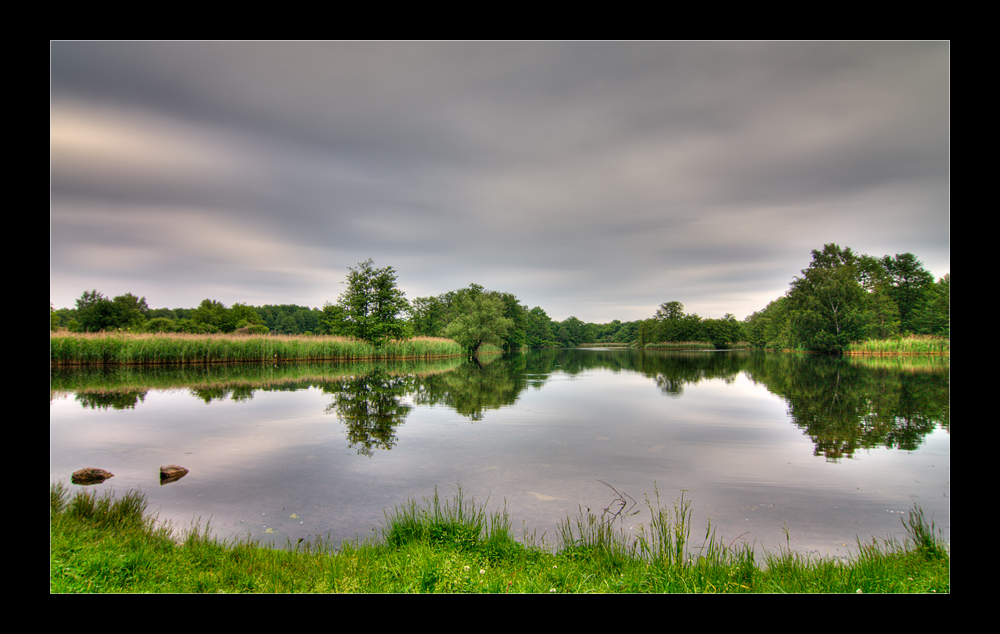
(832, 449)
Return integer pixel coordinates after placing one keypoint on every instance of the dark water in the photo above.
(832, 449)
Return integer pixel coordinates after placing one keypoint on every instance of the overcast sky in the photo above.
(593, 179)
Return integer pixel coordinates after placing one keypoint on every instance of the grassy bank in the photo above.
(113, 348)
(915, 344)
(103, 543)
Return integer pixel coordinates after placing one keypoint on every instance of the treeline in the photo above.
(844, 297)
(371, 308)
(840, 298)
(521, 327)
(95, 313)
(671, 325)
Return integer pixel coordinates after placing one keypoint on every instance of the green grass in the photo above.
(103, 543)
(914, 344)
(126, 348)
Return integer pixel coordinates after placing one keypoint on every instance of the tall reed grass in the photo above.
(914, 344)
(127, 348)
(681, 345)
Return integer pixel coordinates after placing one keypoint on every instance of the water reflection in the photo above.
(372, 406)
(842, 404)
(831, 447)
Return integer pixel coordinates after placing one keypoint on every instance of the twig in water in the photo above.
(621, 502)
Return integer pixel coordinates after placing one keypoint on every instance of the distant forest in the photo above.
(840, 297)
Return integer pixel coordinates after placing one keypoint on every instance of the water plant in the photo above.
(913, 344)
(128, 348)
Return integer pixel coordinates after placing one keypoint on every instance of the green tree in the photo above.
(128, 311)
(669, 310)
(517, 334)
(477, 318)
(932, 315)
(332, 320)
(373, 307)
(538, 329)
(162, 324)
(829, 305)
(212, 315)
(572, 332)
(723, 333)
(770, 328)
(93, 311)
(909, 282)
(429, 316)
(244, 318)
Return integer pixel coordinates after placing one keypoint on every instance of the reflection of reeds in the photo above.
(112, 348)
(914, 344)
(93, 379)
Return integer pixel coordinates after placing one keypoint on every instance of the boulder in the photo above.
(90, 475)
(171, 473)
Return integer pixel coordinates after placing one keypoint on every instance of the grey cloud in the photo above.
(578, 175)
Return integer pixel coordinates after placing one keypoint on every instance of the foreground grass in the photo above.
(100, 543)
(127, 348)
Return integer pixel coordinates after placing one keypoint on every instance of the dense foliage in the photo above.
(842, 297)
(370, 309)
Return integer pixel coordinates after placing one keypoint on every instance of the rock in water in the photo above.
(90, 476)
(171, 473)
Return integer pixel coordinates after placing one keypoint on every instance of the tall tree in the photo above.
(478, 318)
(93, 311)
(212, 314)
(429, 316)
(828, 303)
(539, 328)
(373, 307)
(932, 315)
(128, 311)
(908, 283)
(669, 310)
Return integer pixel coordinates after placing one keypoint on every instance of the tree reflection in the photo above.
(372, 406)
(843, 404)
(847, 404)
(113, 399)
(474, 388)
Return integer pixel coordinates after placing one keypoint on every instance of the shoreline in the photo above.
(104, 543)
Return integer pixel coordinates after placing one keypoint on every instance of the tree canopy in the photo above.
(372, 307)
(478, 317)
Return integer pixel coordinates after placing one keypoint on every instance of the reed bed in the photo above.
(681, 345)
(148, 349)
(915, 344)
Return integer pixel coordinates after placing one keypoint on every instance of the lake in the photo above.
(830, 449)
